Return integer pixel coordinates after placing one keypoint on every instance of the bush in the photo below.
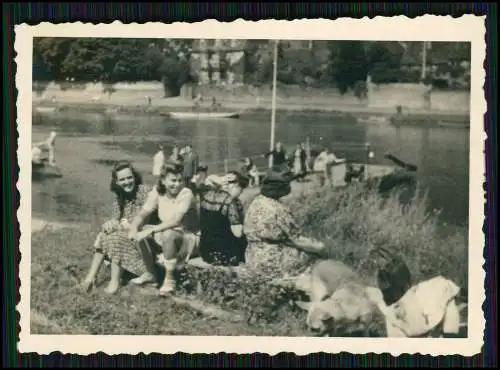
(355, 220)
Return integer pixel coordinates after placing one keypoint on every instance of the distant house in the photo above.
(218, 61)
(222, 61)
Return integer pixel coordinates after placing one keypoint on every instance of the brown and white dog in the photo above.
(349, 307)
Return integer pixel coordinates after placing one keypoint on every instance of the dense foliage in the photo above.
(344, 64)
(110, 60)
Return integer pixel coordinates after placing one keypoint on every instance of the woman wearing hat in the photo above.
(275, 243)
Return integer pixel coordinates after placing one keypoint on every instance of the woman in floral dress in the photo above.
(113, 243)
(275, 243)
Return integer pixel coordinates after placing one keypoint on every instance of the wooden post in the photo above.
(226, 166)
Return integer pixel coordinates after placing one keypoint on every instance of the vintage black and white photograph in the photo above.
(214, 185)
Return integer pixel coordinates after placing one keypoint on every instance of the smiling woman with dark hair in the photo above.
(112, 242)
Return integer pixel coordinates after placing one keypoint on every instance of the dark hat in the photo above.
(276, 183)
(279, 173)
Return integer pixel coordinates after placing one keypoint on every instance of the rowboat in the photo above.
(407, 120)
(373, 119)
(45, 109)
(453, 125)
(203, 115)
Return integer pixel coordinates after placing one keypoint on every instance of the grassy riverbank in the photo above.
(351, 220)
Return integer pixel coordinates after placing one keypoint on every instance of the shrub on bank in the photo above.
(355, 220)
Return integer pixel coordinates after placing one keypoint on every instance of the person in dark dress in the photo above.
(190, 162)
(279, 155)
(222, 241)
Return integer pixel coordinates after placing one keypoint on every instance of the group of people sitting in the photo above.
(171, 222)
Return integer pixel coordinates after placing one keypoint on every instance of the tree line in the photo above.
(346, 65)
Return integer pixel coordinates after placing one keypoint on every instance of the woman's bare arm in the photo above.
(147, 209)
(306, 245)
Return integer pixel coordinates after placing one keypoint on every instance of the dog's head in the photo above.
(352, 308)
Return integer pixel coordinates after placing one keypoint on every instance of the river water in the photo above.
(88, 144)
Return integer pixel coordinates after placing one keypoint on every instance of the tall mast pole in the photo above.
(273, 111)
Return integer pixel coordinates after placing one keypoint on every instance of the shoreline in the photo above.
(165, 106)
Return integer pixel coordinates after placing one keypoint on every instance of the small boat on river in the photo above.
(453, 125)
(374, 120)
(46, 109)
(203, 115)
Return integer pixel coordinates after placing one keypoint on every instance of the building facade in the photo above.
(218, 61)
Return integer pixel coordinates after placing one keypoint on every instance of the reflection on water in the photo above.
(88, 145)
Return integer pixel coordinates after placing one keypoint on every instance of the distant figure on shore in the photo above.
(158, 161)
(215, 105)
(44, 146)
(190, 162)
(175, 156)
(278, 155)
(323, 166)
(299, 162)
(197, 100)
(249, 169)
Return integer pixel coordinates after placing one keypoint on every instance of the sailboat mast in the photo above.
(273, 108)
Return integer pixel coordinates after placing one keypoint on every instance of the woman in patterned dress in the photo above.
(275, 244)
(113, 243)
(222, 241)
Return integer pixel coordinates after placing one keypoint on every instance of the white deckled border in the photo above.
(401, 28)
